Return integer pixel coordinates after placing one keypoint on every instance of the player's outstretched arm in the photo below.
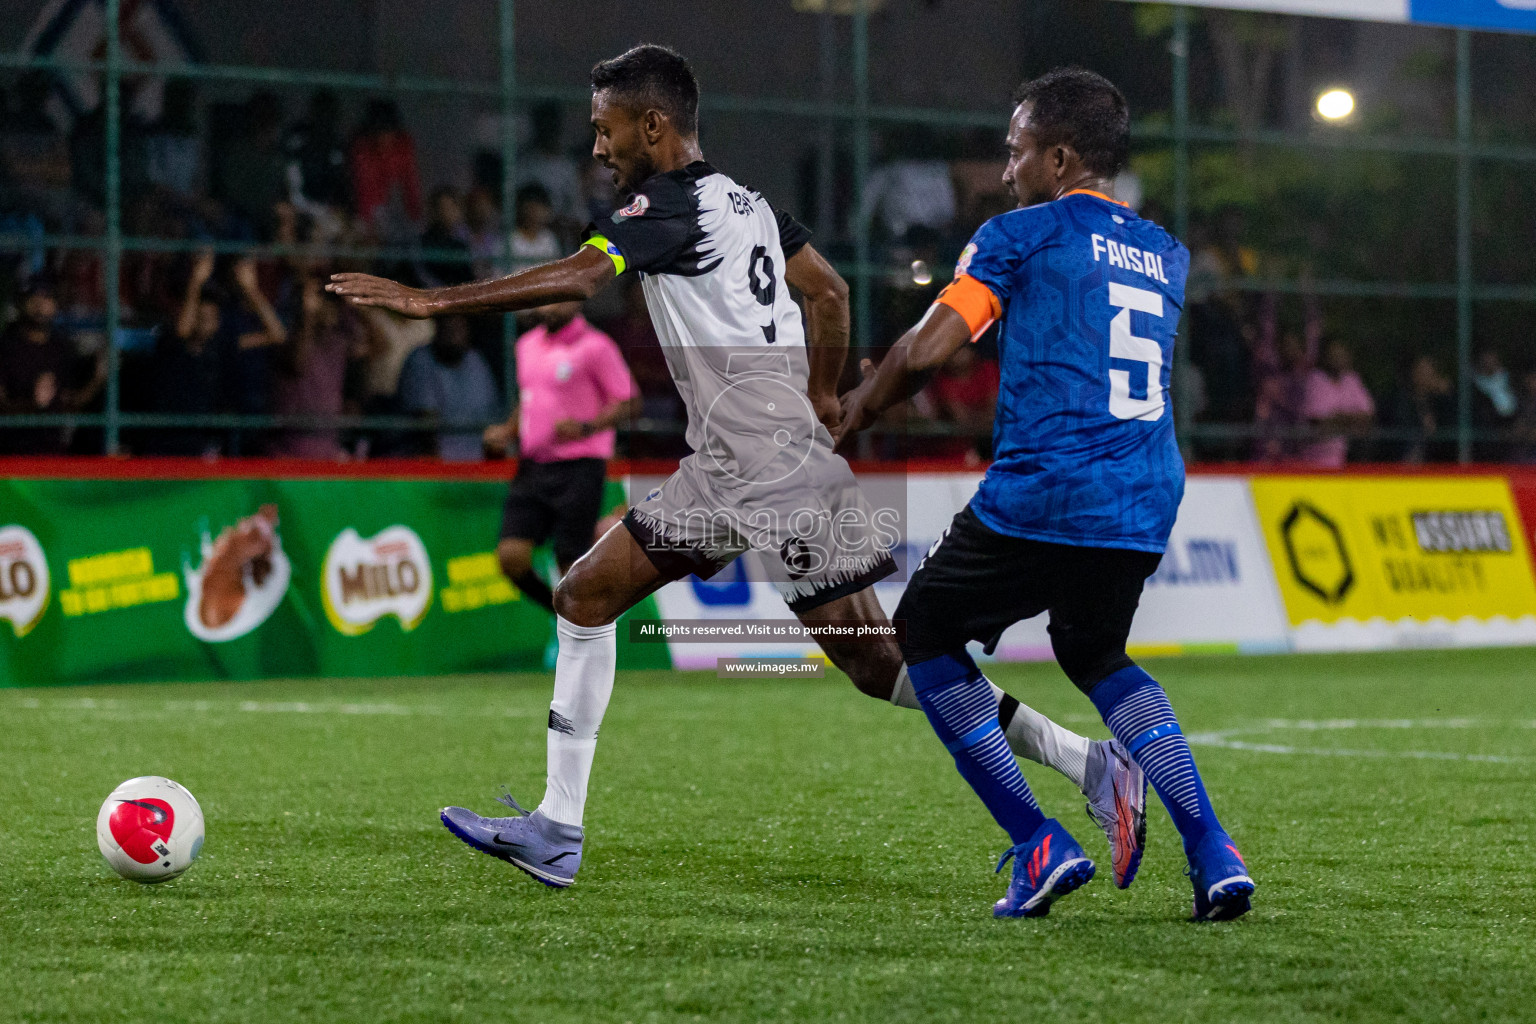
(905, 369)
(576, 278)
(826, 308)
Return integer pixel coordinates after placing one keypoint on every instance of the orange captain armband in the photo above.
(974, 302)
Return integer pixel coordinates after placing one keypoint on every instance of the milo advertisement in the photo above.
(119, 580)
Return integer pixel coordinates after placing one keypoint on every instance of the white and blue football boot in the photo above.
(548, 850)
(1117, 803)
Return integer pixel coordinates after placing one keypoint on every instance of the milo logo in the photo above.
(365, 579)
(23, 579)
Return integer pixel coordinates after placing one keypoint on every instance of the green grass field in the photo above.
(770, 850)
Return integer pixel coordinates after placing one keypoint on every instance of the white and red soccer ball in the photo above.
(150, 829)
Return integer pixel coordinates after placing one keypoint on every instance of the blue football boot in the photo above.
(1220, 877)
(1046, 868)
(548, 850)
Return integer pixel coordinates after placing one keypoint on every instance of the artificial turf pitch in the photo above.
(770, 850)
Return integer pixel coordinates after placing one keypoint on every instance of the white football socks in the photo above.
(1033, 736)
(583, 683)
(1030, 734)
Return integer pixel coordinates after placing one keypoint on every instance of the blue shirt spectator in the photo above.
(449, 381)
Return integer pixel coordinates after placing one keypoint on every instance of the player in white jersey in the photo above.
(717, 264)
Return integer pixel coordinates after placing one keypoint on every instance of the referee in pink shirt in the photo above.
(573, 387)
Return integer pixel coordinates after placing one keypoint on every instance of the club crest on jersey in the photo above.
(636, 207)
(965, 259)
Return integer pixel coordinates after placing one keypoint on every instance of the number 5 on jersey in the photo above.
(1135, 364)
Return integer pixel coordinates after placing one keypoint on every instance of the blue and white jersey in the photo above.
(1089, 297)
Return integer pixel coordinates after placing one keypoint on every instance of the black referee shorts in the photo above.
(977, 582)
(563, 500)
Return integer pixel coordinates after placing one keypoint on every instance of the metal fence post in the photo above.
(862, 276)
(113, 255)
(1178, 47)
(1464, 244)
(826, 130)
(508, 185)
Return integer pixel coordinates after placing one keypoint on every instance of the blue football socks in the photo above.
(1137, 711)
(963, 710)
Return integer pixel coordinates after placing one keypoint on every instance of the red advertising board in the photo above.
(1523, 484)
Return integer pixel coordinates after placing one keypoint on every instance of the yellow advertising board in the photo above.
(1395, 548)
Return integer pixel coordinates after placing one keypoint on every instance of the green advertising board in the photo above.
(124, 580)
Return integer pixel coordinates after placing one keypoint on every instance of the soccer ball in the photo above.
(150, 829)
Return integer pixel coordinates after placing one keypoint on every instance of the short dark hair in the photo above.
(653, 77)
(1084, 110)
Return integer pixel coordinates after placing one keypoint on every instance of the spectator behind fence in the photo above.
(1523, 430)
(317, 157)
(913, 189)
(312, 372)
(173, 146)
(34, 154)
(533, 240)
(1337, 406)
(1278, 409)
(252, 173)
(256, 334)
(544, 164)
(190, 365)
(1233, 343)
(1494, 405)
(482, 223)
(964, 395)
(446, 230)
(88, 151)
(449, 382)
(1422, 405)
(41, 372)
(386, 187)
(598, 192)
(1221, 345)
(392, 339)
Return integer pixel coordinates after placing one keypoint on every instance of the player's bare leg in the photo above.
(607, 581)
(602, 584)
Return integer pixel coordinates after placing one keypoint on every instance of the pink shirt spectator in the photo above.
(1326, 398)
(571, 374)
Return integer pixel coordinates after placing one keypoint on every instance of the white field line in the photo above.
(116, 706)
(1227, 738)
(1209, 739)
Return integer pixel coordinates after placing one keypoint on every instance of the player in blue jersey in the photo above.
(1074, 513)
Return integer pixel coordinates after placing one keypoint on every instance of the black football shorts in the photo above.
(975, 583)
(560, 500)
